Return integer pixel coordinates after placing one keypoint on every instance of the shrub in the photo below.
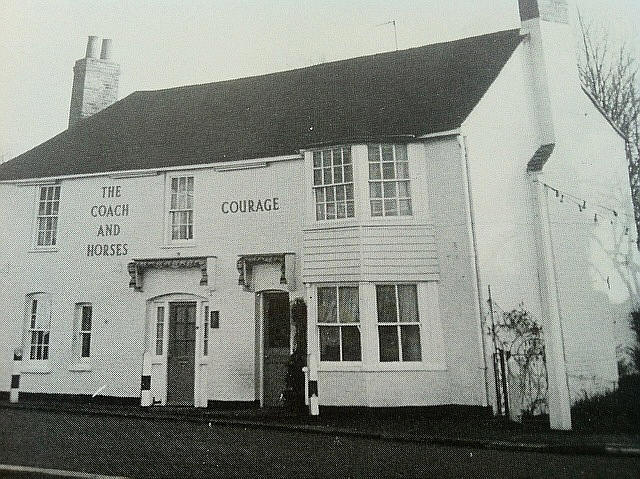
(613, 411)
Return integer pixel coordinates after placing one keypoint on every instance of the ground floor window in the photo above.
(159, 330)
(38, 325)
(339, 323)
(82, 339)
(398, 322)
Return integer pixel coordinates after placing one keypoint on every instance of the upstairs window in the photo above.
(333, 183)
(389, 191)
(47, 220)
(38, 326)
(339, 323)
(398, 322)
(181, 208)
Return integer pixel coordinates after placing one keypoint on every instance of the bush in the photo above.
(613, 411)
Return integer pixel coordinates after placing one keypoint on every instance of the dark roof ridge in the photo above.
(416, 91)
(329, 63)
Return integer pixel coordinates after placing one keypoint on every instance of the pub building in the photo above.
(152, 252)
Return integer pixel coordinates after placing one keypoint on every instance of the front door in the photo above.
(181, 354)
(276, 345)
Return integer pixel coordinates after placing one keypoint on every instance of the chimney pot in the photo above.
(107, 44)
(92, 47)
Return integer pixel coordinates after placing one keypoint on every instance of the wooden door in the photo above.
(277, 329)
(181, 354)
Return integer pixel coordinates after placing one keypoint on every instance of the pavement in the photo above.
(441, 427)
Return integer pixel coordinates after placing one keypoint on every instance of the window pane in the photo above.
(339, 193)
(388, 336)
(326, 158)
(317, 177)
(374, 153)
(174, 185)
(403, 189)
(401, 152)
(411, 343)
(351, 350)
(348, 173)
(329, 192)
(405, 207)
(389, 189)
(320, 212)
(403, 170)
(317, 159)
(337, 174)
(86, 343)
(374, 171)
(331, 211)
(375, 190)
(390, 208)
(327, 305)
(388, 171)
(328, 178)
(337, 156)
(329, 343)
(387, 152)
(376, 208)
(86, 318)
(346, 155)
(408, 299)
(350, 209)
(386, 299)
(349, 192)
(340, 210)
(349, 308)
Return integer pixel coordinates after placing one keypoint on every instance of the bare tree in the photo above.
(612, 77)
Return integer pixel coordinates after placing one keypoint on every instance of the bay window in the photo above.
(333, 183)
(339, 323)
(389, 192)
(398, 322)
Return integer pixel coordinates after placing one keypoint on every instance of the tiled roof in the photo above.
(409, 92)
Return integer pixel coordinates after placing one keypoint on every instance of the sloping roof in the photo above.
(409, 92)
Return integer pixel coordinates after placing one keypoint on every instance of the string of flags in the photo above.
(581, 203)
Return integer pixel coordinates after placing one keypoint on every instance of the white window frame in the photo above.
(338, 324)
(160, 329)
(54, 217)
(38, 323)
(398, 179)
(205, 329)
(80, 333)
(326, 162)
(399, 324)
(170, 240)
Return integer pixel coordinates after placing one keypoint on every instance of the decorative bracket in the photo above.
(137, 267)
(246, 263)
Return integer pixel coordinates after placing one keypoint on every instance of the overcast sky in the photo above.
(160, 44)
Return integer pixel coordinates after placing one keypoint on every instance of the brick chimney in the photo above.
(95, 81)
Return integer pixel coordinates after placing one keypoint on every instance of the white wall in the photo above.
(502, 134)
(118, 336)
